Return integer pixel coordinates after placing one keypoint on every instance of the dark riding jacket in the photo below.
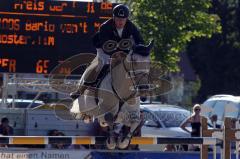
(108, 31)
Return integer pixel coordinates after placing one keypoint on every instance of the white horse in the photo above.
(118, 95)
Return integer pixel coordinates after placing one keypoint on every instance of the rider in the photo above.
(116, 34)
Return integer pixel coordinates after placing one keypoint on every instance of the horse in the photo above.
(117, 98)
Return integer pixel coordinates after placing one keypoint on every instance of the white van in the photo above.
(223, 106)
(38, 122)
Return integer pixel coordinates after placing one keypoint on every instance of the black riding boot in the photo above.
(74, 95)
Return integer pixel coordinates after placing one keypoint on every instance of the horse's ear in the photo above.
(143, 50)
(150, 45)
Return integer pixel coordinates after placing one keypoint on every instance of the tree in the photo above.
(172, 24)
(216, 60)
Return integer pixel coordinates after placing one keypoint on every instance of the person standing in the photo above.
(213, 120)
(5, 129)
(195, 121)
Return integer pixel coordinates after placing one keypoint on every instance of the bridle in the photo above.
(132, 75)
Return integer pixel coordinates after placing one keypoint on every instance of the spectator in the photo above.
(213, 123)
(169, 147)
(5, 129)
(195, 121)
(60, 145)
(66, 146)
(53, 132)
(57, 145)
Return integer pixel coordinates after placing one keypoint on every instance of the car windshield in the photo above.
(172, 118)
(223, 108)
(209, 104)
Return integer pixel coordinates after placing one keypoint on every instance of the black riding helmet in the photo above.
(121, 11)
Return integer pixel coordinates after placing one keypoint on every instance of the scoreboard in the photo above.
(37, 35)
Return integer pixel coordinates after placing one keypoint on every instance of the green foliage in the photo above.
(229, 11)
(216, 60)
(172, 24)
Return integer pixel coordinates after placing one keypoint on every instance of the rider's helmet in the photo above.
(121, 11)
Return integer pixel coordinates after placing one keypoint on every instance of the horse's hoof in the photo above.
(111, 144)
(103, 124)
(123, 144)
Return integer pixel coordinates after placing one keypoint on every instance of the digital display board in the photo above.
(37, 35)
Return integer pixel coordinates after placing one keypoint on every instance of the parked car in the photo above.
(222, 105)
(162, 120)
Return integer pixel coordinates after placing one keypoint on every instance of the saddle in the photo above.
(100, 77)
(104, 71)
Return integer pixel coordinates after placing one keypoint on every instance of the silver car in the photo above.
(162, 120)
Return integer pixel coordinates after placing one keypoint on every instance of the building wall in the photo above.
(183, 91)
(175, 96)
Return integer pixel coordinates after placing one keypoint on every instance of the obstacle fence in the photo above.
(206, 132)
(43, 140)
(94, 140)
(210, 137)
(231, 134)
(228, 134)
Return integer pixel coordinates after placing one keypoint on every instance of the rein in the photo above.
(131, 77)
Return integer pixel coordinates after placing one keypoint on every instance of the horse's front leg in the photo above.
(124, 140)
(131, 118)
(111, 140)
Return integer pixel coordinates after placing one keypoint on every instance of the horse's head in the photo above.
(139, 67)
